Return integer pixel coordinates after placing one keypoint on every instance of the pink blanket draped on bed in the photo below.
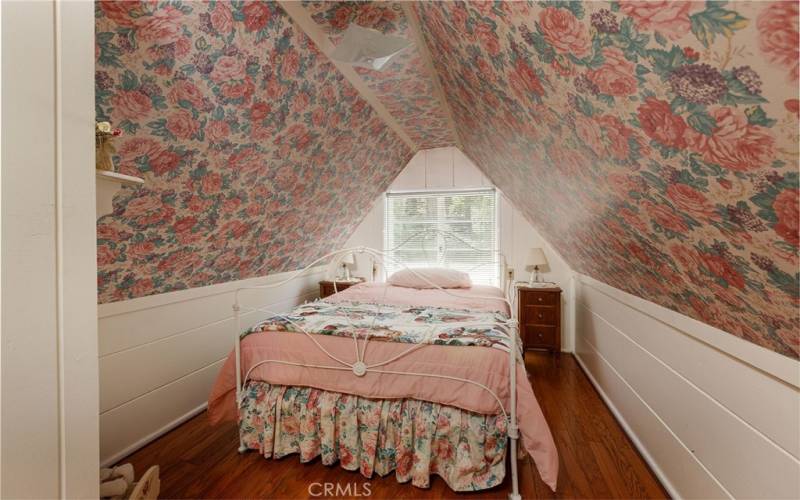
(488, 367)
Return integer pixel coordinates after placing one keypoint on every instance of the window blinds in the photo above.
(456, 230)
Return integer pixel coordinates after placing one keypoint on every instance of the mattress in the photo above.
(459, 355)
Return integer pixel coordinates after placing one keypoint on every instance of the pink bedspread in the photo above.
(485, 366)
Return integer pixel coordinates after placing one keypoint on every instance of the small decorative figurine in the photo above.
(104, 148)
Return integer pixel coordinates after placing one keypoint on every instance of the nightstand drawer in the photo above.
(532, 298)
(540, 315)
(539, 336)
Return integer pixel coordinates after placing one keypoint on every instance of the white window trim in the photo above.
(451, 191)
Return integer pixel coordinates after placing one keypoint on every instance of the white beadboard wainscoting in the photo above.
(714, 415)
(159, 355)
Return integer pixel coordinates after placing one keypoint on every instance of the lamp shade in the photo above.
(348, 259)
(536, 257)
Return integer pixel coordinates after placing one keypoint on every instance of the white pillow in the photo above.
(430, 277)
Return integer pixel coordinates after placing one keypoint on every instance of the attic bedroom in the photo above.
(423, 249)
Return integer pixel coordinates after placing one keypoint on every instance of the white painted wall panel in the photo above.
(30, 416)
(751, 394)
(665, 453)
(134, 424)
(439, 168)
(369, 234)
(466, 173)
(131, 373)
(505, 218)
(127, 324)
(49, 304)
(738, 422)
(154, 347)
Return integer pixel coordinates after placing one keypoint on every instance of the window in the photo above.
(453, 229)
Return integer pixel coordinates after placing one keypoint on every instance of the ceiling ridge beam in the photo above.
(303, 20)
(438, 89)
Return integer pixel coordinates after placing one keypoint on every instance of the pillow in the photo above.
(430, 277)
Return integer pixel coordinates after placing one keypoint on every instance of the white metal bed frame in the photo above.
(360, 367)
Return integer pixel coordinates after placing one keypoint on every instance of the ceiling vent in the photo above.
(368, 48)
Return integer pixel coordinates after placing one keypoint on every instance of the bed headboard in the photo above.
(434, 242)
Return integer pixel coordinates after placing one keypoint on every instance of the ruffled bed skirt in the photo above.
(413, 438)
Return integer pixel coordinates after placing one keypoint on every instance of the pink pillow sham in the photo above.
(430, 277)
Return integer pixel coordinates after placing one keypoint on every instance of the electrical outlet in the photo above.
(510, 273)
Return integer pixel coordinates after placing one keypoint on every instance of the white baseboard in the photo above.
(665, 482)
(113, 459)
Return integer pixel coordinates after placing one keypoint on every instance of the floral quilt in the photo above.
(406, 324)
(413, 438)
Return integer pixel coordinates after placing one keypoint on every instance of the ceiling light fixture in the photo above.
(368, 48)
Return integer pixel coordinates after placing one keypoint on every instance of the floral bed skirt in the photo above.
(413, 438)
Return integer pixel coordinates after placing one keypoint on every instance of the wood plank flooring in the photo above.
(597, 460)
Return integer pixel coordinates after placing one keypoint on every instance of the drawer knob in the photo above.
(540, 299)
(540, 316)
(540, 335)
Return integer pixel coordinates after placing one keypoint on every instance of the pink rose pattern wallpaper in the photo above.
(258, 155)
(654, 144)
(405, 87)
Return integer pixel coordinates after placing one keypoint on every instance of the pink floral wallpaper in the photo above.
(258, 156)
(654, 144)
(405, 87)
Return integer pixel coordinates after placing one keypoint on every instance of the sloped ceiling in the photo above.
(258, 155)
(406, 86)
(655, 144)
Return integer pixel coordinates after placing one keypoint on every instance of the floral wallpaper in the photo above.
(258, 155)
(654, 144)
(405, 86)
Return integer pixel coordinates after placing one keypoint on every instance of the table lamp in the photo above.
(536, 258)
(348, 261)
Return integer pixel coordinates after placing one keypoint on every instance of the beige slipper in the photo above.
(113, 488)
(124, 471)
(148, 486)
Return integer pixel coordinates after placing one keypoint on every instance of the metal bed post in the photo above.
(238, 350)
(513, 428)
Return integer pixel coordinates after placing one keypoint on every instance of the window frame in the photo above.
(498, 274)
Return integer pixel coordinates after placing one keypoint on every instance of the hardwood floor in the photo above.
(597, 460)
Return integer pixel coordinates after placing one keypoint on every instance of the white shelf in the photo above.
(108, 183)
(125, 180)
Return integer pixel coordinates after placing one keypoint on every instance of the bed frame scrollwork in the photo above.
(360, 365)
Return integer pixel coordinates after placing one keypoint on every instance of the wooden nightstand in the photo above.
(539, 317)
(326, 287)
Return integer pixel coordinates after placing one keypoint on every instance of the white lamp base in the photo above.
(534, 277)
